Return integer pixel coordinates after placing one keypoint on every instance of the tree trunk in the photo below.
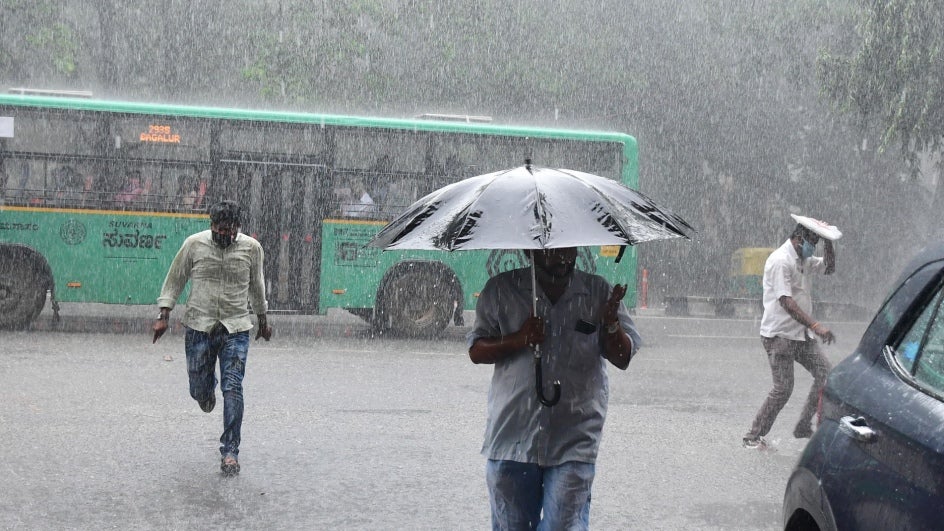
(108, 66)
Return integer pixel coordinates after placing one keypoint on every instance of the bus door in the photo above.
(280, 202)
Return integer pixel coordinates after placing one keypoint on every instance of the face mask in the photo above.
(561, 267)
(223, 240)
(807, 250)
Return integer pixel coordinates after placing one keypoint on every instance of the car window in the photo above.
(921, 351)
(904, 295)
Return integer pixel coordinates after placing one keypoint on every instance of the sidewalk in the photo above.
(653, 324)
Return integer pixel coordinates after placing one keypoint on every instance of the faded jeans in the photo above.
(203, 349)
(781, 354)
(519, 491)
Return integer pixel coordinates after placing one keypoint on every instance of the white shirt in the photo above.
(786, 274)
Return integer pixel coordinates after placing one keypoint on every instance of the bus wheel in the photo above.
(24, 279)
(418, 300)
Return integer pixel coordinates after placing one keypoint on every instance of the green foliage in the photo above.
(59, 42)
(37, 39)
(895, 75)
(305, 53)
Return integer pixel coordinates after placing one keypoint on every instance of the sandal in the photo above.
(229, 466)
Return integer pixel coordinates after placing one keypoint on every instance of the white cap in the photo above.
(825, 230)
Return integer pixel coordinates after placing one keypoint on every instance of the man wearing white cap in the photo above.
(788, 329)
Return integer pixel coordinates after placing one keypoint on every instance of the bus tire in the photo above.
(25, 278)
(417, 299)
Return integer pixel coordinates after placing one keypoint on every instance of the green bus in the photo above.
(97, 196)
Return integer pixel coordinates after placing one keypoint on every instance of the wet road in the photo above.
(343, 431)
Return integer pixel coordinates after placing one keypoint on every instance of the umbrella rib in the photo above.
(648, 210)
(463, 222)
(540, 212)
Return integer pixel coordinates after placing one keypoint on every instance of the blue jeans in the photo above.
(518, 492)
(203, 349)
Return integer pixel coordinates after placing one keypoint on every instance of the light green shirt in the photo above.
(224, 282)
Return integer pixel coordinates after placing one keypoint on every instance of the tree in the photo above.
(37, 44)
(722, 96)
(316, 55)
(894, 78)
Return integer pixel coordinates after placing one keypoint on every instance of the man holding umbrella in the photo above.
(541, 458)
(541, 451)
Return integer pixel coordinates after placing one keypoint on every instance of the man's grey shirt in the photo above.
(519, 427)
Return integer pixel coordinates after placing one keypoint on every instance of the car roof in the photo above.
(931, 253)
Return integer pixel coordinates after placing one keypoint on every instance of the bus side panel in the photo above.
(351, 272)
(101, 256)
(622, 273)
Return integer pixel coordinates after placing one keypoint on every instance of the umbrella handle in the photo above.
(539, 382)
(538, 376)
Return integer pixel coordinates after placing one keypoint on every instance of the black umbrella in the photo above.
(530, 207)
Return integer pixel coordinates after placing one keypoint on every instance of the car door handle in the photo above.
(857, 428)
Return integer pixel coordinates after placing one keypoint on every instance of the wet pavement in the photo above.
(656, 325)
(345, 431)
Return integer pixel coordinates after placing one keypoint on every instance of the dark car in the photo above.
(876, 460)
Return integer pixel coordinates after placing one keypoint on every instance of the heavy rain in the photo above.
(327, 120)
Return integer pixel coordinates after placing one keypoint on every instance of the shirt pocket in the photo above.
(586, 348)
(236, 270)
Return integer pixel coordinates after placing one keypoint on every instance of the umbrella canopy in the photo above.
(530, 207)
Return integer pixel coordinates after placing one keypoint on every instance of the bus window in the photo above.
(160, 187)
(68, 186)
(357, 202)
(601, 158)
(164, 187)
(191, 191)
(3, 180)
(188, 192)
(131, 191)
(35, 182)
(27, 180)
(455, 157)
(399, 194)
(48, 131)
(288, 140)
(397, 151)
(342, 195)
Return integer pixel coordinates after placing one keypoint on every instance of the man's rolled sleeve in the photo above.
(176, 279)
(486, 324)
(257, 283)
(780, 283)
